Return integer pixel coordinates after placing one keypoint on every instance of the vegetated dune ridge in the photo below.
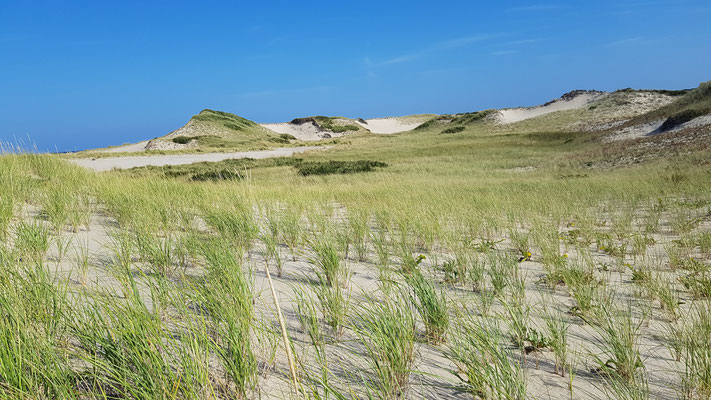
(109, 163)
(215, 129)
(569, 101)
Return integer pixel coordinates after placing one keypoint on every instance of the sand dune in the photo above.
(307, 132)
(311, 132)
(511, 115)
(391, 124)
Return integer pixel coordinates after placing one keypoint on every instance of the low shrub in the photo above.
(217, 175)
(454, 129)
(182, 139)
(342, 128)
(337, 167)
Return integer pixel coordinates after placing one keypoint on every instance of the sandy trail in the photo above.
(109, 163)
(127, 148)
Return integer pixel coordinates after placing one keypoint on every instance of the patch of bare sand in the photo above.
(109, 163)
(432, 377)
(127, 148)
(390, 125)
(308, 132)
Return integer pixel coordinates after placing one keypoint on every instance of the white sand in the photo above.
(391, 124)
(109, 163)
(127, 148)
(310, 132)
(307, 132)
(511, 115)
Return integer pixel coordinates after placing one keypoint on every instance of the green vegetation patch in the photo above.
(469, 118)
(217, 175)
(233, 169)
(225, 119)
(183, 139)
(325, 123)
(283, 138)
(664, 92)
(456, 119)
(337, 167)
(454, 129)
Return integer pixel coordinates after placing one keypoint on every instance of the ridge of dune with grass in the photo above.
(216, 129)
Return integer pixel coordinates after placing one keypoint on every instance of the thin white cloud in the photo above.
(283, 92)
(504, 52)
(537, 7)
(627, 41)
(438, 46)
(462, 41)
(399, 59)
(522, 42)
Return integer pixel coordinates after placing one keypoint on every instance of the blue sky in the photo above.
(77, 75)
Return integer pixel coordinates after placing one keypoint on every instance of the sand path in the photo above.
(109, 163)
(127, 148)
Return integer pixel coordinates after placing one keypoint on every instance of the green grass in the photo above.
(215, 130)
(338, 167)
(183, 139)
(454, 129)
(387, 331)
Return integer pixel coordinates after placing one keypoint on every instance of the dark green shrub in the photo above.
(217, 175)
(182, 139)
(287, 136)
(325, 123)
(342, 128)
(337, 167)
(454, 129)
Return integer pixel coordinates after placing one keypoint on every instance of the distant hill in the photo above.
(626, 114)
(217, 129)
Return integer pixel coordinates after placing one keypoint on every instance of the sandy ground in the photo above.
(391, 125)
(310, 132)
(307, 132)
(109, 163)
(511, 115)
(432, 377)
(127, 148)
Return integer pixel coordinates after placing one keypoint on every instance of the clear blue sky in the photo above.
(76, 75)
